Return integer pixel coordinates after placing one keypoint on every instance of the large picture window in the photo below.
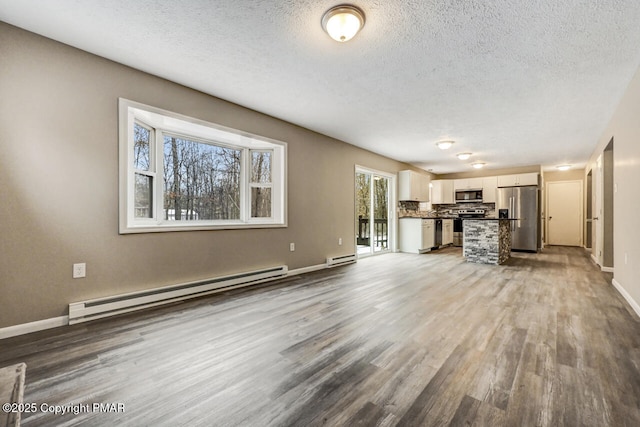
(179, 173)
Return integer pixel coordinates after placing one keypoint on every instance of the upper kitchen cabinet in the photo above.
(413, 186)
(442, 192)
(518, 180)
(489, 189)
(467, 184)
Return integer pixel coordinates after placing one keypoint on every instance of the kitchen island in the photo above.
(487, 240)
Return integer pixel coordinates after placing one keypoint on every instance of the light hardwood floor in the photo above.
(399, 339)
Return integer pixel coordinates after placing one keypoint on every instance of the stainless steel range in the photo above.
(457, 223)
(471, 213)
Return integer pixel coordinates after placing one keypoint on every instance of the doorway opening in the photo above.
(589, 219)
(607, 208)
(373, 211)
(603, 189)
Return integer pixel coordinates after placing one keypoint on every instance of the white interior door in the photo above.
(564, 213)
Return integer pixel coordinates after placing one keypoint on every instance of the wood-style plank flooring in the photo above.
(399, 339)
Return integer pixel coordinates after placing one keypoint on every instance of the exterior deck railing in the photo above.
(380, 231)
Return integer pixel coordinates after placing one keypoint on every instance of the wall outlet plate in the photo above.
(79, 270)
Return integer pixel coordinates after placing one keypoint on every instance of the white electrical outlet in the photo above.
(79, 270)
(340, 241)
(292, 247)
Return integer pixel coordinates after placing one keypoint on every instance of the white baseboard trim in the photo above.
(626, 296)
(306, 269)
(607, 269)
(594, 259)
(39, 325)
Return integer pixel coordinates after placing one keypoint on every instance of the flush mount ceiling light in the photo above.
(463, 156)
(478, 165)
(444, 145)
(563, 167)
(343, 22)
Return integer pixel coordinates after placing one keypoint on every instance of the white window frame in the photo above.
(165, 122)
(259, 184)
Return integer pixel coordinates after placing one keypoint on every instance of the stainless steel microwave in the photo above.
(468, 196)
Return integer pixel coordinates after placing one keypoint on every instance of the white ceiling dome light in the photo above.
(563, 167)
(343, 22)
(463, 156)
(444, 145)
(478, 165)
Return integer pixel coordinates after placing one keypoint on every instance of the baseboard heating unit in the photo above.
(124, 303)
(341, 260)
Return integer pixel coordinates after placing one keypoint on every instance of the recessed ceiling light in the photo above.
(563, 167)
(444, 145)
(343, 22)
(478, 165)
(463, 156)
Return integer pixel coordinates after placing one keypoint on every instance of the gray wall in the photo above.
(59, 185)
(624, 129)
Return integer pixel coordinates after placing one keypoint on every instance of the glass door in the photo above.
(373, 213)
(363, 212)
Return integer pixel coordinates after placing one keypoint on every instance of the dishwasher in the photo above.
(438, 234)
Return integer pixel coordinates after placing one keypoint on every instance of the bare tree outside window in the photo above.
(141, 147)
(143, 179)
(261, 184)
(201, 181)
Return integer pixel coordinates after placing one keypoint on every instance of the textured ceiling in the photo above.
(515, 83)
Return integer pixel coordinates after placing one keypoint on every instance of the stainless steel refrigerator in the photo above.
(521, 203)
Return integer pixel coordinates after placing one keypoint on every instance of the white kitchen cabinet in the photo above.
(416, 235)
(468, 184)
(518, 180)
(413, 186)
(447, 232)
(489, 189)
(442, 192)
(428, 234)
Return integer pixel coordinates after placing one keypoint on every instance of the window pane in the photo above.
(261, 166)
(260, 202)
(141, 147)
(363, 210)
(143, 196)
(201, 181)
(380, 213)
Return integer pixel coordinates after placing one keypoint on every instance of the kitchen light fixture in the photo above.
(478, 165)
(463, 156)
(343, 22)
(563, 167)
(444, 145)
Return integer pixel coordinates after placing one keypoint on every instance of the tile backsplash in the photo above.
(417, 209)
(489, 208)
(411, 208)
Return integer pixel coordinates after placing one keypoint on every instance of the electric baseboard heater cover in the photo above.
(341, 260)
(117, 304)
